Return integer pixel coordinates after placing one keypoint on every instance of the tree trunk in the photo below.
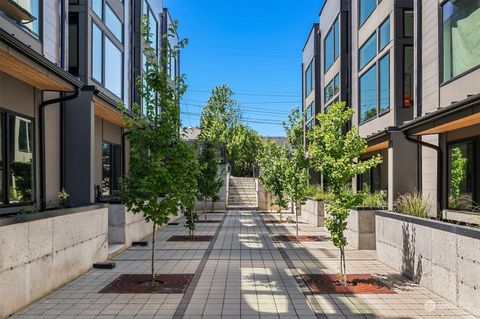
(296, 218)
(153, 253)
(205, 211)
(343, 266)
(213, 206)
(279, 211)
(192, 235)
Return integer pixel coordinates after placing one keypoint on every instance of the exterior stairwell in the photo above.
(242, 193)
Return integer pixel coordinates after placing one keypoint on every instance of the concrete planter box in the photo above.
(313, 212)
(43, 251)
(125, 227)
(361, 228)
(442, 257)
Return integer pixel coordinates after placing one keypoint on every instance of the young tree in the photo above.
(242, 149)
(296, 171)
(334, 151)
(272, 160)
(209, 183)
(161, 176)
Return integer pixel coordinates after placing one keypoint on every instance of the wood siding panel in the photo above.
(430, 55)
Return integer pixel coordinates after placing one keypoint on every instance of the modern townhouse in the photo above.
(64, 68)
(382, 92)
(311, 92)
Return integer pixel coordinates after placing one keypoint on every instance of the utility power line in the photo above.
(251, 93)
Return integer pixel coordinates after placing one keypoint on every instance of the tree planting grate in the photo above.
(207, 221)
(294, 238)
(172, 224)
(142, 284)
(356, 284)
(188, 238)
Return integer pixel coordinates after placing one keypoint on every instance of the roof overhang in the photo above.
(25, 64)
(379, 141)
(453, 117)
(107, 109)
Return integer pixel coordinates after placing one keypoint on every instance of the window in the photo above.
(460, 175)
(384, 34)
(461, 39)
(408, 23)
(111, 169)
(97, 53)
(310, 112)
(368, 94)
(16, 133)
(371, 180)
(97, 7)
(309, 79)
(33, 8)
(332, 89)
(384, 84)
(73, 43)
(332, 45)
(366, 8)
(368, 50)
(408, 78)
(113, 23)
(113, 74)
(103, 49)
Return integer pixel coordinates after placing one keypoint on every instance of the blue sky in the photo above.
(254, 46)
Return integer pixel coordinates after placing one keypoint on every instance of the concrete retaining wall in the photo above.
(313, 212)
(221, 204)
(442, 257)
(265, 200)
(43, 252)
(361, 229)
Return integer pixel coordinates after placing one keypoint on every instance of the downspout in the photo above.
(41, 127)
(439, 170)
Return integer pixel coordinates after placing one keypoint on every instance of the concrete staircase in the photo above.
(242, 193)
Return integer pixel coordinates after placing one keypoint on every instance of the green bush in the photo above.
(412, 204)
(317, 193)
(375, 199)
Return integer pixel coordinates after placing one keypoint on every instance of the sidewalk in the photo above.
(242, 273)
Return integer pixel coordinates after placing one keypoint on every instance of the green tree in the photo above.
(296, 171)
(334, 151)
(457, 176)
(272, 161)
(162, 170)
(209, 183)
(242, 149)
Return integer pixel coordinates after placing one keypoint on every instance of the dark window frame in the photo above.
(112, 146)
(361, 23)
(475, 140)
(441, 40)
(374, 34)
(4, 115)
(336, 43)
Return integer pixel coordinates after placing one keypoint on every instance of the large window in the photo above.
(153, 25)
(368, 94)
(309, 79)
(310, 112)
(332, 89)
(16, 160)
(368, 51)
(366, 8)
(97, 7)
(73, 40)
(332, 45)
(461, 172)
(113, 23)
(33, 9)
(384, 84)
(408, 23)
(104, 52)
(97, 53)
(408, 77)
(111, 169)
(113, 74)
(384, 34)
(461, 39)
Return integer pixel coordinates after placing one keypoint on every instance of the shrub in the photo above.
(375, 199)
(317, 193)
(412, 204)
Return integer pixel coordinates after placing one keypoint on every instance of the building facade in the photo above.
(409, 69)
(65, 67)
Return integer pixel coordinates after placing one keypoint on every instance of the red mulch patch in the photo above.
(206, 221)
(299, 239)
(187, 238)
(276, 221)
(356, 284)
(141, 284)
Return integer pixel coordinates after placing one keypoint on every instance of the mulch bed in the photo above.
(356, 284)
(206, 221)
(294, 238)
(141, 284)
(187, 238)
(276, 221)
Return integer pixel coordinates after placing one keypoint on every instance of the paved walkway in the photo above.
(243, 273)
